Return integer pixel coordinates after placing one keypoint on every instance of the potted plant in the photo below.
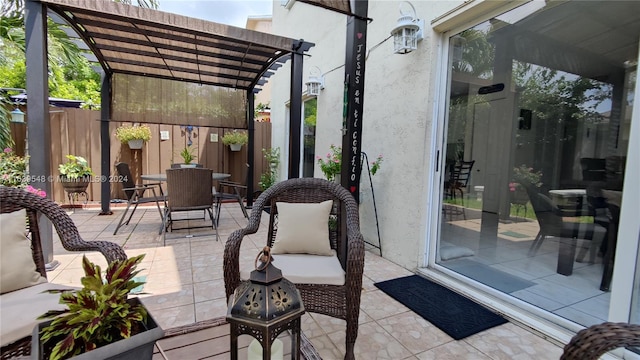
(75, 174)
(100, 321)
(134, 136)
(235, 139)
(187, 156)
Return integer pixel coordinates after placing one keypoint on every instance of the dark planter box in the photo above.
(137, 347)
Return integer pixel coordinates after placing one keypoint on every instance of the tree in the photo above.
(71, 73)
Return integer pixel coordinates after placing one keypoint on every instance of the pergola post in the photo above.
(105, 144)
(353, 106)
(38, 124)
(251, 126)
(295, 111)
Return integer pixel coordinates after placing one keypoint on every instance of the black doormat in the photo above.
(452, 313)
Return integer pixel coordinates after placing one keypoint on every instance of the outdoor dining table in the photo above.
(163, 178)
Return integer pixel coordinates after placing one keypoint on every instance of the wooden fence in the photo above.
(77, 132)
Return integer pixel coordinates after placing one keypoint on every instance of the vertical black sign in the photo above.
(354, 96)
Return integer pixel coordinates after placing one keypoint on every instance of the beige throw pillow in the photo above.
(303, 228)
(17, 269)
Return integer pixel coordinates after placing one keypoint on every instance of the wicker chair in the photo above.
(14, 199)
(339, 301)
(189, 189)
(596, 340)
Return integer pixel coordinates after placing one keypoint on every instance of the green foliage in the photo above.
(98, 313)
(187, 155)
(138, 132)
(75, 167)
(526, 175)
(332, 163)
(13, 169)
(235, 137)
(273, 159)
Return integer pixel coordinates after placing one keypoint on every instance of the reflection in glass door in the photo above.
(538, 125)
(309, 137)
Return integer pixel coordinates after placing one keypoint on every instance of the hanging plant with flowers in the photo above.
(331, 164)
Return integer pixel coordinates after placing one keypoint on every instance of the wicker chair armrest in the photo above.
(66, 229)
(593, 342)
(231, 263)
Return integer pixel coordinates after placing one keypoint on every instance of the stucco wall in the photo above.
(398, 118)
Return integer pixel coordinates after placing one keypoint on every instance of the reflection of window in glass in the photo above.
(309, 137)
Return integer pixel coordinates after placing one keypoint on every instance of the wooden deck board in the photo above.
(210, 340)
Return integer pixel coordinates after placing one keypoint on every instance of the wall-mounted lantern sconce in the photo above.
(315, 82)
(17, 116)
(408, 30)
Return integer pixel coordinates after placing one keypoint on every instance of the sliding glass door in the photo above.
(539, 113)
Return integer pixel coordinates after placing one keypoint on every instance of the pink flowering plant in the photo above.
(525, 175)
(13, 172)
(331, 164)
(13, 169)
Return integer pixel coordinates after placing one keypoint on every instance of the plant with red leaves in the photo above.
(98, 313)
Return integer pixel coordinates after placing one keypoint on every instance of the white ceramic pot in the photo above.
(235, 147)
(136, 144)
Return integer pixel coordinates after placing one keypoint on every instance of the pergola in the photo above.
(143, 42)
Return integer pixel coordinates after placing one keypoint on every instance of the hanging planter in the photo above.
(135, 144)
(134, 136)
(235, 139)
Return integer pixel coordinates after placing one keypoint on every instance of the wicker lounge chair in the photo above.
(339, 301)
(14, 199)
(596, 340)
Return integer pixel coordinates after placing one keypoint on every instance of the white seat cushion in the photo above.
(307, 269)
(19, 310)
(17, 269)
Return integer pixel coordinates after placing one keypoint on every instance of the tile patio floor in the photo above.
(184, 284)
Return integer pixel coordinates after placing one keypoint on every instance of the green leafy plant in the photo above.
(97, 314)
(331, 164)
(235, 137)
(526, 175)
(138, 132)
(187, 155)
(75, 167)
(13, 169)
(269, 177)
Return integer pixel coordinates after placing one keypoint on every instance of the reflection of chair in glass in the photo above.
(551, 220)
(188, 189)
(329, 285)
(593, 342)
(457, 184)
(136, 193)
(612, 199)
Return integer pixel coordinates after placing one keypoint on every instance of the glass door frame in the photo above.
(627, 253)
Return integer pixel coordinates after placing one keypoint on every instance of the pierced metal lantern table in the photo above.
(265, 306)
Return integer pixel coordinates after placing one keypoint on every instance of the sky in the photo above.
(230, 12)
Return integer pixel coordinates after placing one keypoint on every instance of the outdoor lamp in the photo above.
(408, 31)
(264, 306)
(315, 82)
(17, 116)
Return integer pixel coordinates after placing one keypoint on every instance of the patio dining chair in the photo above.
(457, 185)
(230, 191)
(311, 246)
(189, 189)
(25, 299)
(135, 194)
